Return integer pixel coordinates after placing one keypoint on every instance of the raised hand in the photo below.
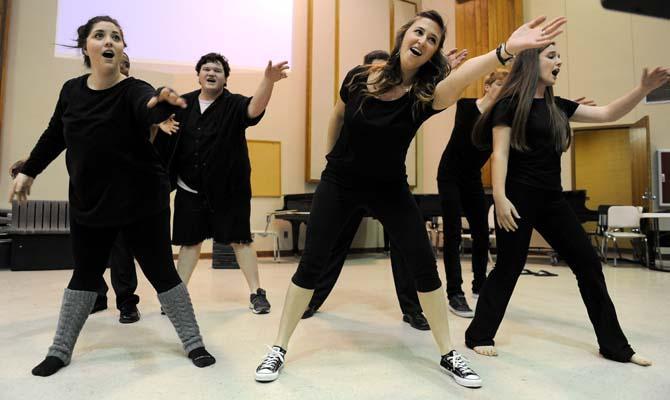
(584, 101)
(656, 78)
(276, 72)
(168, 95)
(21, 188)
(170, 125)
(531, 36)
(456, 57)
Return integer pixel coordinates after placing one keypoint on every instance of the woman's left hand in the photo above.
(656, 78)
(168, 95)
(276, 72)
(531, 36)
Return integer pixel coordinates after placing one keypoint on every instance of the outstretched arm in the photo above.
(527, 36)
(624, 104)
(273, 73)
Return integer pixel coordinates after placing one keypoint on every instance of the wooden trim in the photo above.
(5, 6)
(336, 82)
(308, 95)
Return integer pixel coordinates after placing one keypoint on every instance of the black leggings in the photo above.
(458, 197)
(551, 215)
(149, 240)
(392, 205)
(404, 284)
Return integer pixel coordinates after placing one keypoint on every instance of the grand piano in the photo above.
(297, 206)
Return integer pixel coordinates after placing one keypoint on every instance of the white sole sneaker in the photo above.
(253, 310)
(469, 383)
(466, 314)
(268, 377)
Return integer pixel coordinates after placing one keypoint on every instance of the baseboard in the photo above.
(289, 253)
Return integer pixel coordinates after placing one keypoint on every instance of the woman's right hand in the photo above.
(531, 36)
(21, 188)
(505, 214)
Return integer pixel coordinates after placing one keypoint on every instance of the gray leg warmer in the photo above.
(77, 305)
(177, 306)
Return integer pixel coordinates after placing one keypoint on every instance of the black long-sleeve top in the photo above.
(116, 176)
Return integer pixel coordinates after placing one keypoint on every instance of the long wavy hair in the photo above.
(519, 89)
(389, 75)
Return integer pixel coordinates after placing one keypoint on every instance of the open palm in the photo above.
(531, 36)
(277, 71)
(656, 78)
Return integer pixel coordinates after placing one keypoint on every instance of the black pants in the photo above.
(551, 215)
(404, 285)
(148, 239)
(392, 205)
(124, 275)
(458, 197)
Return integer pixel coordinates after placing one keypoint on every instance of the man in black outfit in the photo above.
(209, 165)
(405, 289)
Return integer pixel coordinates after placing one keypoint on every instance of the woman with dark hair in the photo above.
(380, 108)
(117, 186)
(529, 129)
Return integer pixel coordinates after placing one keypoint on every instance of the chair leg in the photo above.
(605, 249)
(618, 252)
(277, 251)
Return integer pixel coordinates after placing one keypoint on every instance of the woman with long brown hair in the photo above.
(529, 130)
(376, 117)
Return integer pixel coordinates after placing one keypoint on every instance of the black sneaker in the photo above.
(273, 362)
(459, 306)
(259, 302)
(457, 366)
(129, 314)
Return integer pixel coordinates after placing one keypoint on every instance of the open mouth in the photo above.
(415, 51)
(211, 80)
(555, 72)
(108, 54)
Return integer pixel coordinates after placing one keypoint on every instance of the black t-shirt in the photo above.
(461, 159)
(540, 166)
(374, 139)
(210, 152)
(116, 175)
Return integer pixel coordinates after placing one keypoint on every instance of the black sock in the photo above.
(201, 357)
(49, 366)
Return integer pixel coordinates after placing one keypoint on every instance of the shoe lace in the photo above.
(272, 359)
(459, 362)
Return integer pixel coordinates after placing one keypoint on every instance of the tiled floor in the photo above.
(356, 348)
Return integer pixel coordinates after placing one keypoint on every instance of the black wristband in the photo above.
(501, 59)
(504, 47)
